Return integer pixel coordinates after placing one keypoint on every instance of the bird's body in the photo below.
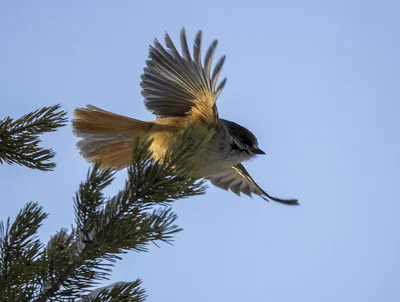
(180, 91)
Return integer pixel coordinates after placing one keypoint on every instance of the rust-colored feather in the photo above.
(107, 137)
(116, 155)
(91, 120)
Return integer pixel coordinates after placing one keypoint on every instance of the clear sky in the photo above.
(316, 81)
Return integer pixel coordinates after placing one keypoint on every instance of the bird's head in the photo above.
(243, 141)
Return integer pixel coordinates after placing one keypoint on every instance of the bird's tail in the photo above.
(107, 137)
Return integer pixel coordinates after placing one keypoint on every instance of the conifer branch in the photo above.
(74, 261)
(19, 139)
(20, 251)
(119, 291)
(108, 227)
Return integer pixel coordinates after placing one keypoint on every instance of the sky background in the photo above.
(316, 81)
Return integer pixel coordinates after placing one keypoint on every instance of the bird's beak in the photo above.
(258, 151)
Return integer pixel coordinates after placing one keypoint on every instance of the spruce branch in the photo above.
(119, 291)
(108, 227)
(74, 261)
(20, 251)
(19, 139)
(176, 176)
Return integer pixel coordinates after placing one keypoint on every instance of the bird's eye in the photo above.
(247, 150)
(235, 147)
(243, 148)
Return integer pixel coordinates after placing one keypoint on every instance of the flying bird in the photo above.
(180, 90)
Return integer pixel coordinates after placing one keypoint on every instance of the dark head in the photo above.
(243, 140)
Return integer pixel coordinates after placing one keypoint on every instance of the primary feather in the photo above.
(238, 180)
(179, 85)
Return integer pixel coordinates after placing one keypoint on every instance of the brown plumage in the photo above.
(108, 137)
(176, 89)
(179, 90)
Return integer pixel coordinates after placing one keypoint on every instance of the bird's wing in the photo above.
(175, 85)
(238, 180)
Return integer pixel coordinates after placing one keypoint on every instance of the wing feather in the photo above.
(177, 85)
(238, 180)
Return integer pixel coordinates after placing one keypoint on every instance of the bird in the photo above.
(179, 89)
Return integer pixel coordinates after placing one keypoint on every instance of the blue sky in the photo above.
(316, 81)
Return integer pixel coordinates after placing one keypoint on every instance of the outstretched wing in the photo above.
(238, 180)
(175, 85)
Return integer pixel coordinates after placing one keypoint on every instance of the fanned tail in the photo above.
(107, 137)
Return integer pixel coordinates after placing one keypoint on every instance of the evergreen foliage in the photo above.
(19, 139)
(77, 259)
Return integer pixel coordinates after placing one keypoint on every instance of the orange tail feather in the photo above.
(107, 137)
